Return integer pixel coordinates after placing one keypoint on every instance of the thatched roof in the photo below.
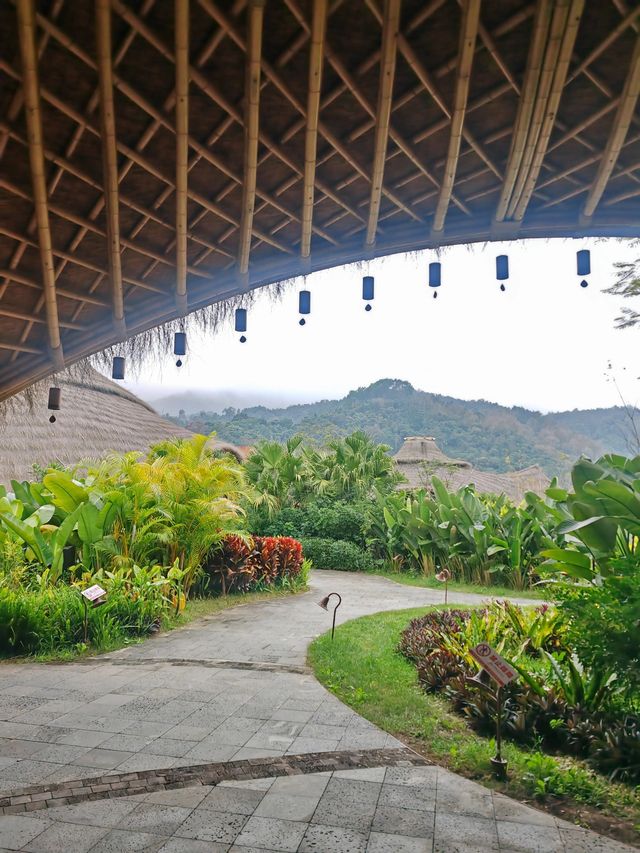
(159, 157)
(96, 418)
(420, 458)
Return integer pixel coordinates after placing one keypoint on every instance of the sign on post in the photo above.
(501, 672)
(93, 593)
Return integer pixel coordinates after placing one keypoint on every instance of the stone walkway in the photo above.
(234, 688)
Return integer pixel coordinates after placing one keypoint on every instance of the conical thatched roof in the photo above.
(97, 417)
(420, 458)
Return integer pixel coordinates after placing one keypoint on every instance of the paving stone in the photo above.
(191, 845)
(418, 776)
(464, 834)
(10, 748)
(507, 809)
(125, 742)
(205, 751)
(102, 759)
(125, 841)
(274, 834)
(368, 774)
(107, 813)
(155, 817)
(384, 842)
(207, 825)
(460, 797)
(233, 800)
(312, 785)
(399, 821)
(319, 839)
(578, 840)
(63, 837)
(408, 797)
(288, 807)
(18, 830)
(189, 797)
(60, 753)
(29, 772)
(530, 838)
(81, 737)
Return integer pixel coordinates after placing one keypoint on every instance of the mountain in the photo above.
(207, 401)
(490, 436)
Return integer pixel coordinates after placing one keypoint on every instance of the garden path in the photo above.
(229, 701)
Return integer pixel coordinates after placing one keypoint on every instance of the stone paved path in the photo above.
(234, 687)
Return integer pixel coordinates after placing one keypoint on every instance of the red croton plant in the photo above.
(241, 564)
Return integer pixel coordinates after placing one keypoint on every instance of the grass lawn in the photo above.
(538, 593)
(364, 670)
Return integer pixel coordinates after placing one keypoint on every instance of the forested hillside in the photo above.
(490, 436)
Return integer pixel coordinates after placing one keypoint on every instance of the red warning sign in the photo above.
(497, 667)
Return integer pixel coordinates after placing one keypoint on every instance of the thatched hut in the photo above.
(420, 458)
(97, 417)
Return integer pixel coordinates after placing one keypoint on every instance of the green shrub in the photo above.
(320, 519)
(44, 621)
(555, 702)
(336, 554)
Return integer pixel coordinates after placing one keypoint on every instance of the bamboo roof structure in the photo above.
(161, 156)
(98, 417)
(419, 459)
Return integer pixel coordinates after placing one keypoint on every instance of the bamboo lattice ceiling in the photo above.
(160, 156)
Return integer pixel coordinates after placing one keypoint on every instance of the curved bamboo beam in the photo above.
(110, 160)
(390, 27)
(618, 134)
(182, 148)
(466, 51)
(26, 32)
(316, 57)
(251, 131)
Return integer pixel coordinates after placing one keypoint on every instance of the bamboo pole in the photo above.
(390, 27)
(466, 51)
(561, 67)
(110, 160)
(182, 147)
(316, 58)
(630, 20)
(251, 131)
(26, 31)
(617, 136)
(526, 105)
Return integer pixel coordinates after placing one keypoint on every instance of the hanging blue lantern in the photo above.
(367, 290)
(53, 404)
(179, 346)
(502, 270)
(117, 368)
(304, 304)
(435, 276)
(241, 323)
(584, 265)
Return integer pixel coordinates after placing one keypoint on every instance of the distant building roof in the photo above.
(97, 417)
(420, 458)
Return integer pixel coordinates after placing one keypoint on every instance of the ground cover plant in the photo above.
(145, 529)
(364, 668)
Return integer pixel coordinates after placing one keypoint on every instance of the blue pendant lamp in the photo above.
(117, 368)
(180, 346)
(304, 304)
(583, 258)
(367, 291)
(241, 323)
(435, 276)
(502, 270)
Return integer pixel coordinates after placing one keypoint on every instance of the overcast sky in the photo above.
(544, 343)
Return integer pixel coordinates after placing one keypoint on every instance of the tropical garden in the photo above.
(183, 525)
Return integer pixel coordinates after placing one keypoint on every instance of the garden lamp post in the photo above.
(325, 606)
(444, 576)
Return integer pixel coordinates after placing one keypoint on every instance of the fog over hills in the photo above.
(491, 436)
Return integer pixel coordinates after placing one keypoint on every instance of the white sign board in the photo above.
(497, 667)
(94, 592)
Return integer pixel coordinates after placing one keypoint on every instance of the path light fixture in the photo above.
(444, 576)
(325, 606)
